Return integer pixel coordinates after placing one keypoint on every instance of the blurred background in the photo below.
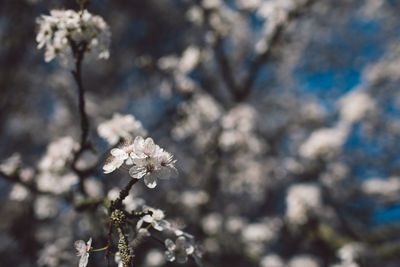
(283, 115)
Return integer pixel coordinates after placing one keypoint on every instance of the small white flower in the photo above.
(63, 29)
(120, 127)
(180, 250)
(151, 162)
(148, 160)
(83, 249)
(112, 163)
(156, 219)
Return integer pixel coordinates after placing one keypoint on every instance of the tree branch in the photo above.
(244, 90)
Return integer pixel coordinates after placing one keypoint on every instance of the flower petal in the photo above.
(150, 180)
(169, 244)
(137, 172)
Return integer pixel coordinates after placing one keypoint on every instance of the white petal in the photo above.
(150, 180)
(170, 244)
(139, 224)
(169, 255)
(137, 172)
(108, 168)
(84, 260)
(119, 153)
(80, 247)
(148, 218)
(157, 226)
(89, 244)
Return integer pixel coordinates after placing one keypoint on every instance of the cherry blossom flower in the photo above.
(120, 126)
(83, 251)
(179, 251)
(151, 162)
(63, 29)
(156, 219)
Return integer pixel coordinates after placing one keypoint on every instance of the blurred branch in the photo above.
(244, 90)
(225, 66)
(17, 179)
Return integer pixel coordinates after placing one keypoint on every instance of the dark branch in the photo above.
(79, 51)
(117, 204)
(17, 179)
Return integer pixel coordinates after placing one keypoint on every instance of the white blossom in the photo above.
(11, 165)
(179, 251)
(156, 219)
(19, 192)
(350, 253)
(59, 153)
(45, 207)
(83, 249)
(325, 141)
(354, 105)
(63, 29)
(303, 260)
(120, 127)
(151, 162)
(301, 200)
(57, 184)
(154, 258)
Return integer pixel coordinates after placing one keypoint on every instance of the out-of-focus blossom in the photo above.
(354, 105)
(235, 224)
(272, 260)
(238, 129)
(387, 188)
(179, 251)
(19, 192)
(117, 259)
(57, 184)
(211, 3)
(65, 29)
(325, 141)
(156, 219)
(199, 118)
(195, 15)
(120, 127)
(301, 200)
(11, 165)
(212, 223)
(82, 251)
(303, 260)
(248, 4)
(45, 207)
(93, 187)
(52, 255)
(154, 258)
(189, 59)
(192, 199)
(350, 253)
(59, 153)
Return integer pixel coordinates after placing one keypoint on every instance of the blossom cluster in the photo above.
(120, 126)
(148, 160)
(66, 30)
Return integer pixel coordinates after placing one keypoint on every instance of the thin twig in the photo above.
(122, 195)
(79, 52)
